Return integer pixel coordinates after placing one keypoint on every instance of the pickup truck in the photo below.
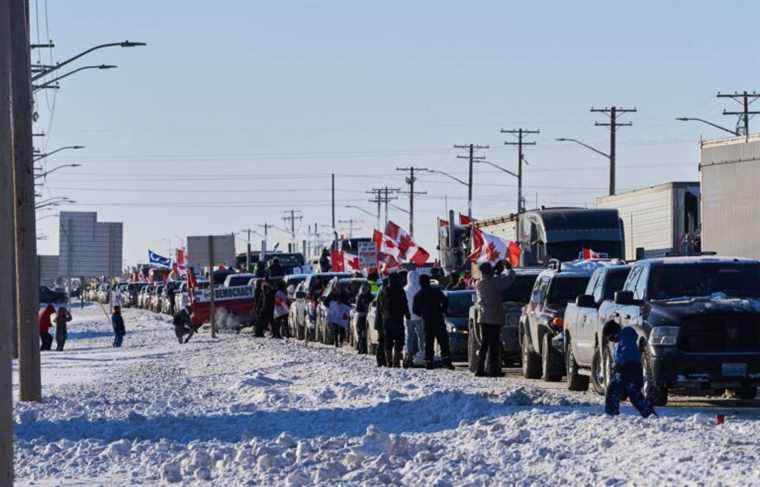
(542, 318)
(584, 322)
(698, 321)
(514, 299)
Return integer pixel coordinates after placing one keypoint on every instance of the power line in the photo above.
(745, 100)
(613, 113)
(383, 196)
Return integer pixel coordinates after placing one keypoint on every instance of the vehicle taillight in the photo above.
(557, 322)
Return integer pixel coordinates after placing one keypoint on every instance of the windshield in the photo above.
(734, 280)
(565, 289)
(519, 291)
(459, 304)
(615, 281)
(239, 280)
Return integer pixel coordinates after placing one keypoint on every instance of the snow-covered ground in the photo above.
(241, 410)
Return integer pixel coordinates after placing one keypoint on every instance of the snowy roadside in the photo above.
(241, 410)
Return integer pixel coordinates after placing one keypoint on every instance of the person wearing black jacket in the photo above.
(267, 308)
(363, 300)
(431, 304)
(393, 307)
(183, 324)
(258, 309)
(275, 269)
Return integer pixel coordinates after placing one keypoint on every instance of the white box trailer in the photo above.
(730, 173)
(658, 221)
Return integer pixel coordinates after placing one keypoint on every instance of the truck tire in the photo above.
(598, 378)
(531, 362)
(655, 393)
(551, 361)
(575, 381)
(473, 346)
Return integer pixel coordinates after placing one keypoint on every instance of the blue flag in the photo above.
(158, 260)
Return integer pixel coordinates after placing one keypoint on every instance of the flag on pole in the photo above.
(156, 260)
(487, 247)
(344, 262)
(465, 220)
(408, 251)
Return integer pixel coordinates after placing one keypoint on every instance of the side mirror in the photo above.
(585, 301)
(624, 297)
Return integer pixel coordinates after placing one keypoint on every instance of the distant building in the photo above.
(730, 172)
(48, 269)
(89, 248)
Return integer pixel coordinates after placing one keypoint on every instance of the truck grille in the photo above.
(720, 334)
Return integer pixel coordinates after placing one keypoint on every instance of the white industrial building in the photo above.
(89, 248)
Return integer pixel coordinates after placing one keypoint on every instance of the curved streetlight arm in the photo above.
(436, 171)
(48, 84)
(46, 173)
(689, 119)
(399, 208)
(84, 53)
(48, 154)
(492, 164)
(362, 210)
(593, 149)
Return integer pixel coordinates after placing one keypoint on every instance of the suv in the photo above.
(541, 319)
(514, 299)
(584, 324)
(698, 321)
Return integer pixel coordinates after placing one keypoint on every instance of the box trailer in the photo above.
(729, 172)
(658, 221)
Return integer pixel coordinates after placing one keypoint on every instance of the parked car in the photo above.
(584, 324)
(155, 299)
(697, 319)
(313, 286)
(130, 293)
(142, 296)
(52, 296)
(513, 299)
(542, 318)
(297, 312)
(342, 289)
(103, 293)
(457, 323)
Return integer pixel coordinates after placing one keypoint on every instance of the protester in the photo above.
(183, 324)
(490, 289)
(415, 335)
(394, 308)
(114, 298)
(281, 310)
(627, 378)
(431, 304)
(171, 293)
(45, 323)
(363, 300)
(324, 261)
(258, 309)
(117, 321)
(62, 317)
(267, 309)
(378, 325)
(275, 269)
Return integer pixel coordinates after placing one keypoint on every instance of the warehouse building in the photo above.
(49, 269)
(89, 248)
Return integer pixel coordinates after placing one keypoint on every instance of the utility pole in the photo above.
(350, 222)
(745, 100)
(383, 196)
(520, 158)
(263, 256)
(27, 289)
(248, 250)
(472, 158)
(332, 193)
(410, 180)
(7, 243)
(291, 217)
(613, 113)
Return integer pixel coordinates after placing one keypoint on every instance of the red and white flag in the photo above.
(344, 262)
(590, 254)
(408, 251)
(399, 235)
(487, 247)
(386, 246)
(465, 220)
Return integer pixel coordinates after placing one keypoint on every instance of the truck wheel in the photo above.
(473, 346)
(531, 364)
(598, 378)
(745, 392)
(551, 361)
(655, 393)
(575, 381)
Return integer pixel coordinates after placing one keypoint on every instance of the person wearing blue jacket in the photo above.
(627, 378)
(118, 327)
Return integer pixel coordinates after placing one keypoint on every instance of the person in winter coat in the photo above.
(378, 325)
(258, 309)
(415, 334)
(627, 378)
(431, 304)
(324, 261)
(117, 321)
(363, 300)
(281, 310)
(267, 309)
(183, 324)
(275, 269)
(44, 322)
(489, 290)
(393, 307)
(62, 317)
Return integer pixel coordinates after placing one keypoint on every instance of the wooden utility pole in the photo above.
(472, 158)
(7, 242)
(521, 143)
(27, 291)
(410, 180)
(332, 199)
(613, 113)
(212, 304)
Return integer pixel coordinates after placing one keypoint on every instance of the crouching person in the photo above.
(183, 324)
(627, 378)
(119, 330)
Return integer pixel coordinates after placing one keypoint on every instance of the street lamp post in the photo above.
(520, 205)
(436, 171)
(55, 201)
(694, 119)
(83, 53)
(601, 153)
(48, 154)
(46, 173)
(49, 84)
(362, 210)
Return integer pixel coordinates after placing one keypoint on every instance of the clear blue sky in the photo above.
(248, 92)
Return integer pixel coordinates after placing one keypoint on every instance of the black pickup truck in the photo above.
(698, 321)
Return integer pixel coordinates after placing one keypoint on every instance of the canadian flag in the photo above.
(465, 220)
(344, 262)
(408, 251)
(487, 247)
(386, 245)
(399, 235)
(180, 261)
(590, 254)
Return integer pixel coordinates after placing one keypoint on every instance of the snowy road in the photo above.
(246, 411)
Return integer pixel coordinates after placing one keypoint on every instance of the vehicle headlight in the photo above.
(664, 335)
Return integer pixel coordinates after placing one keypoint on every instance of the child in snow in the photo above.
(62, 317)
(627, 378)
(118, 326)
